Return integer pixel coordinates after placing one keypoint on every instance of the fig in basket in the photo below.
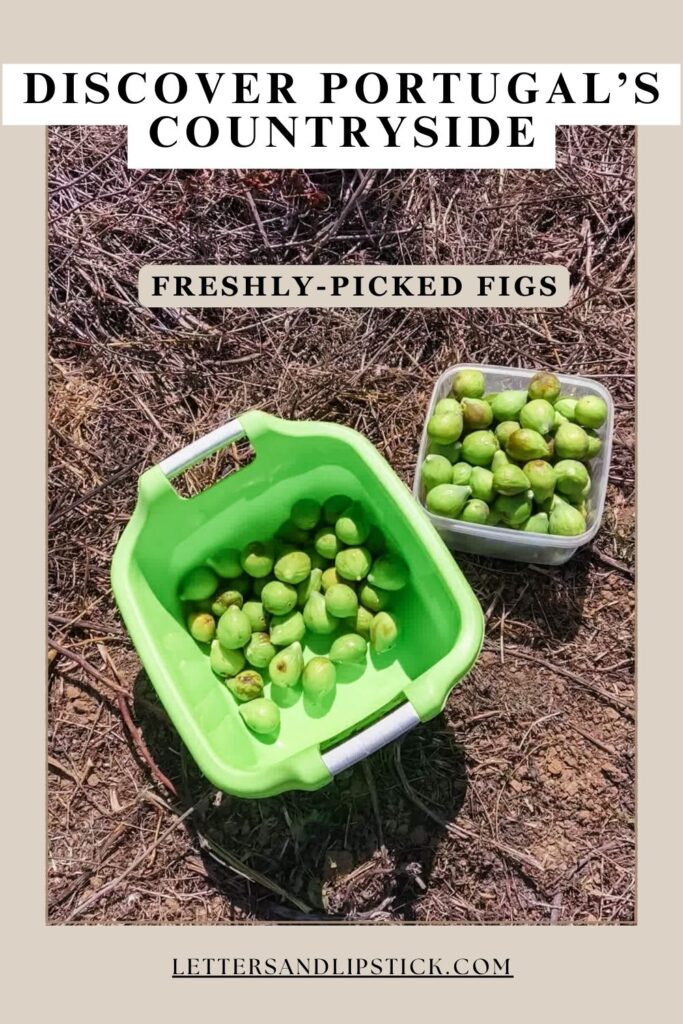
(257, 558)
(479, 446)
(246, 685)
(293, 567)
(507, 405)
(509, 479)
(319, 678)
(225, 662)
(383, 632)
(476, 413)
(306, 514)
(542, 478)
(349, 649)
(326, 542)
(233, 629)
(278, 598)
(341, 601)
(538, 415)
(571, 442)
(353, 527)
(513, 509)
(198, 584)
(481, 483)
(436, 469)
(307, 587)
(445, 427)
(475, 511)
(262, 716)
(317, 617)
(223, 601)
(259, 652)
(287, 629)
(566, 407)
(334, 507)
(545, 386)
(354, 563)
(286, 667)
(389, 572)
(469, 384)
(373, 598)
(202, 626)
(537, 523)
(526, 444)
(226, 563)
(565, 520)
(590, 411)
(257, 616)
(572, 478)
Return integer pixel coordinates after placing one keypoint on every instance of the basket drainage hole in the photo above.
(214, 468)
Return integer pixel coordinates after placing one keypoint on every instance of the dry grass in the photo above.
(517, 804)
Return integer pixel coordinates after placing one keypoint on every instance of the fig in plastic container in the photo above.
(571, 442)
(246, 685)
(545, 386)
(333, 508)
(225, 662)
(327, 542)
(226, 563)
(257, 558)
(510, 479)
(572, 478)
(307, 587)
(504, 429)
(565, 520)
(257, 616)
(447, 405)
(306, 513)
(513, 509)
(329, 577)
(362, 623)
(278, 598)
(262, 716)
(319, 678)
(341, 601)
(353, 527)
(349, 649)
(542, 478)
(448, 499)
(202, 626)
(259, 652)
(594, 444)
(354, 563)
(286, 667)
(525, 445)
(449, 451)
(507, 405)
(389, 572)
(436, 469)
(445, 427)
(383, 632)
(475, 511)
(566, 407)
(538, 523)
(538, 415)
(476, 414)
(198, 584)
(481, 483)
(373, 598)
(223, 601)
(460, 473)
(233, 629)
(287, 629)
(479, 446)
(591, 411)
(469, 384)
(317, 617)
(293, 567)
(500, 459)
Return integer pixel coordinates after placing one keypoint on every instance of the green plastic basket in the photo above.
(440, 619)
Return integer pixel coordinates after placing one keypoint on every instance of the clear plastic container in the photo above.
(500, 541)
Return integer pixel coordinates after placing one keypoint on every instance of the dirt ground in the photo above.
(517, 804)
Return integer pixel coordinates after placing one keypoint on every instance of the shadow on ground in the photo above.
(362, 848)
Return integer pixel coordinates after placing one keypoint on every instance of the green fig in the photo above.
(373, 598)
(262, 716)
(290, 533)
(278, 598)
(542, 478)
(259, 652)
(286, 667)
(362, 623)
(448, 499)
(594, 445)
(445, 427)
(565, 520)
(389, 572)
(349, 649)
(293, 568)
(509, 479)
(257, 558)
(436, 469)
(329, 578)
(495, 518)
(571, 442)
(354, 563)
(198, 584)
(246, 685)
(538, 415)
(225, 662)
(306, 513)
(537, 523)
(566, 407)
(499, 459)
(333, 508)
(481, 483)
(504, 429)
(447, 405)
(307, 587)
(256, 614)
(460, 473)
(468, 384)
(226, 563)
(353, 527)
(479, 446)
(224, 600)
(507, 405)
(383, 632)
(341, 601)
(514, 509)
(476, 414)
(544, 386)
(490, 395)
(319, 678)
(234, 628)
(287, 629)
(591, 411)
(316, 616)
(572, 478)
(449, 451)
(326, 542)
(526, 444)
(475, 511)
(202, 626)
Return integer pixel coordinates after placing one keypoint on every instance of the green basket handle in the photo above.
(197, 450)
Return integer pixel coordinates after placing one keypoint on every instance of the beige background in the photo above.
(80, 974)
